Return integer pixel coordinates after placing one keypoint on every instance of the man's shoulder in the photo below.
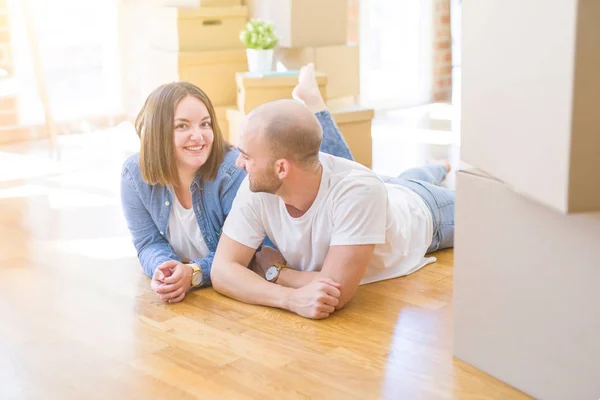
(346, 173)
(341, 166)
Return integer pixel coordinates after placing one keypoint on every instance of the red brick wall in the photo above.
(353, 21)
(442, 52)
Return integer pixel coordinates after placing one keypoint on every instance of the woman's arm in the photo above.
(152, 247)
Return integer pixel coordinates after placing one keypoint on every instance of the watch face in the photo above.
(271, 273)
(196, 278)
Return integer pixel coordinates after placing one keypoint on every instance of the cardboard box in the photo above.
(198, 3)
(256, 89)
(8, 103)
(339, 63)
(530, 96)
(526, 291)
(234, 120)
(354, 123)
(302, 23)
(212, 71)
(221, 112)
(9, 118)
(197, 29)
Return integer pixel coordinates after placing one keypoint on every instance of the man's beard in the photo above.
(266, 183)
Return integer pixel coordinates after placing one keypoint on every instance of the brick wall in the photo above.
(442, 52)
(353, 21)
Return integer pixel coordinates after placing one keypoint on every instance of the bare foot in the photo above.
(445, 163)
(307, 90)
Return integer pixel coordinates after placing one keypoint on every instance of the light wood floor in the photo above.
(78, 321)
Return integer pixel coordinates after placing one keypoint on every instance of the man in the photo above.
(335, 222)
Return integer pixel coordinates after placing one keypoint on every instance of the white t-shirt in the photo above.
(184, 233)
(353, 207)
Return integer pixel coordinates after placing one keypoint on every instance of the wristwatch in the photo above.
(196, 275)
(273, 272)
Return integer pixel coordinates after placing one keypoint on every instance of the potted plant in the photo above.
(259, 38)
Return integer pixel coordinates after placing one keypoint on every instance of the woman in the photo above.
(177, 191)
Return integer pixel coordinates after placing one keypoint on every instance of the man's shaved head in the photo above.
(288, 128)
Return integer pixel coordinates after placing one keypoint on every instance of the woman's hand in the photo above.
(171, 281)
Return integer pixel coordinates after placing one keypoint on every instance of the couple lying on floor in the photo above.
(285, 220)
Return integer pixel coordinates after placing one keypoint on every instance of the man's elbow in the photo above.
(217, 277)
(345, 297)
(342, 303)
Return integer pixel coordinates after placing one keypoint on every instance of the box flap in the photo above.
(351, 113)
(233, 114)
(287, 78)
(234, 56)
(221, 111)
(212, 12)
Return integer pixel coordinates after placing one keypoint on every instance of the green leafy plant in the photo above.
(259, 35)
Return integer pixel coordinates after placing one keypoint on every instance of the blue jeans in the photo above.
(425, 181)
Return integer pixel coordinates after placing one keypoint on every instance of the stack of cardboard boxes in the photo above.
(317, 32)
(198, 43)
(527, 250)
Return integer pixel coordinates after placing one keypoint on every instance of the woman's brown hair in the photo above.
(154, 126)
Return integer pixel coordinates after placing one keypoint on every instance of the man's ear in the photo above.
(282, 168)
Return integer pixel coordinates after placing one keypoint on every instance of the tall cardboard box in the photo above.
(301, 23)
(234, 121)
(530, 95)
(221, 113)
(526, 298)
(355, 124)
(196, 29)
(256, 89)
(212, 71)
(339, 63)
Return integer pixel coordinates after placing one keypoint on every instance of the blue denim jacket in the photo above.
(147, 207)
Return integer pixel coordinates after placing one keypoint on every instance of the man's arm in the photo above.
(346, 265)
(231, 278)
(296, 279)
(343, 264)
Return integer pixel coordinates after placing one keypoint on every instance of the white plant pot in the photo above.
(260, 60)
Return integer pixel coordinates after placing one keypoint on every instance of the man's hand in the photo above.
(317, 300)
(171, 280)
(265, 258)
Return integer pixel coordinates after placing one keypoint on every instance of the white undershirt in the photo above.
(184, 233)
(353, 207)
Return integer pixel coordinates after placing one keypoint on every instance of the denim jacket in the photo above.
(147, 207)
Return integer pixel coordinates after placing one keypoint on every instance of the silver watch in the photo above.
(273, 272)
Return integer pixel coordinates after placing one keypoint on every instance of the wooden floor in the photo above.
(78, 321)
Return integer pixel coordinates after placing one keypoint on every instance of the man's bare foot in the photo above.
(307, 90)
